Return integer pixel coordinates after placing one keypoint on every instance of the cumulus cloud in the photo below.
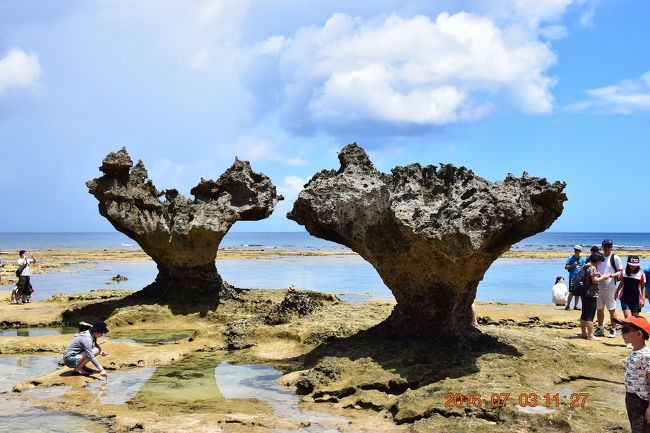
(405, 73)
(19, 69)
(625, 97)
(291, 187)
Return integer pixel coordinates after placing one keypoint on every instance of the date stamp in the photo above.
(577, 400)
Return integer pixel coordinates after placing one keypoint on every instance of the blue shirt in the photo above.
(574, 271)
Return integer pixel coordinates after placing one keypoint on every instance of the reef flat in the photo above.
(337, 357)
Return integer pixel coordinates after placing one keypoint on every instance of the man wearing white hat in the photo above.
(573, 265)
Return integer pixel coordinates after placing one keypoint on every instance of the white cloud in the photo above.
(19, 69)
(625, 97)
(406, 73)
(587, 17)
(257, 149)
(554, 32)
(291, 187)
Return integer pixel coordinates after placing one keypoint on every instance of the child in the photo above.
(14, 295)
(636, 330)
(559, 292)
(631, 290)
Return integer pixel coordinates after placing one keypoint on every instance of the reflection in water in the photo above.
(259, 381)
(18, 416)
(15, 368)
(120, 386)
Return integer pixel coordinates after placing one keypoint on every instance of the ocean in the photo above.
(547, 241)
(508, 280)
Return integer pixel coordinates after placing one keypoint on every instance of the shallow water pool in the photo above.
(19, 416)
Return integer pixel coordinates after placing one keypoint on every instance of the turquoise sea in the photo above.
(510, 280)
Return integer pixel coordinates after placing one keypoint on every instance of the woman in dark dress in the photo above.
(589, 299)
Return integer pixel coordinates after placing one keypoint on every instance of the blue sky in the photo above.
(557, 88)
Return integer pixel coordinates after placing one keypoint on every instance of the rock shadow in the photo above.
(408, 361)
(179, 304)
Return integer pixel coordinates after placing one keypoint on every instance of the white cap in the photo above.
(577, 247)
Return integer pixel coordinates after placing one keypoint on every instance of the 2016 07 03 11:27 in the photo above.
(577, 400)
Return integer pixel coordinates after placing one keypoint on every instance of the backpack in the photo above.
(580, 282)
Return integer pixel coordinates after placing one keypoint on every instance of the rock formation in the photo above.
(430, 232)
(181, 235)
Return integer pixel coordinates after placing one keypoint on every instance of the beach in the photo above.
(243, 368)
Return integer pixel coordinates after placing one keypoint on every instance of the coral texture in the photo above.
(430, 232)
(181, 235)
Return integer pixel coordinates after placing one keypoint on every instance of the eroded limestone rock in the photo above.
(181, 235)
(430, 232)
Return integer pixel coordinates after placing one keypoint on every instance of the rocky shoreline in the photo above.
(342, 362)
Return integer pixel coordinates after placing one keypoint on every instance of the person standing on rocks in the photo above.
(84, 348)
(631, 290)
(590, 298)
(607, 288)
(24, 274)
(573, 266)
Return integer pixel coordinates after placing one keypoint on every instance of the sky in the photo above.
(556, 88)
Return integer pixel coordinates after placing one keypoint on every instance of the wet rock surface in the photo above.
(181, 235)
(430, 232)
(379, 383)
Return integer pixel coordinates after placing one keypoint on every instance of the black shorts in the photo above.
(588, 308)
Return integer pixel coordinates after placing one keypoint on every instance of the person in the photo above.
(474, 315)
(559, 292)
(590, 298)
(635, 331)
(573, 266)
(14, 295)
(2, 265)
(607, 289)
(24, 284)
(84, 348)
(631, 290)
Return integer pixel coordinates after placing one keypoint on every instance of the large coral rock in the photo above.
(430, 232)
(181, 235)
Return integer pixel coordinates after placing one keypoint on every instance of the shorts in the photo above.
(635, 308)
(606, 299)
(72, 361)
(588, 308)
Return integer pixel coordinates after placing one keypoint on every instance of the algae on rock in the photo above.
(430, 232)
(181, 235)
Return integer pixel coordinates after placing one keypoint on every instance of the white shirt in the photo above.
(605, 268)
(559, 292)
(26, 272)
